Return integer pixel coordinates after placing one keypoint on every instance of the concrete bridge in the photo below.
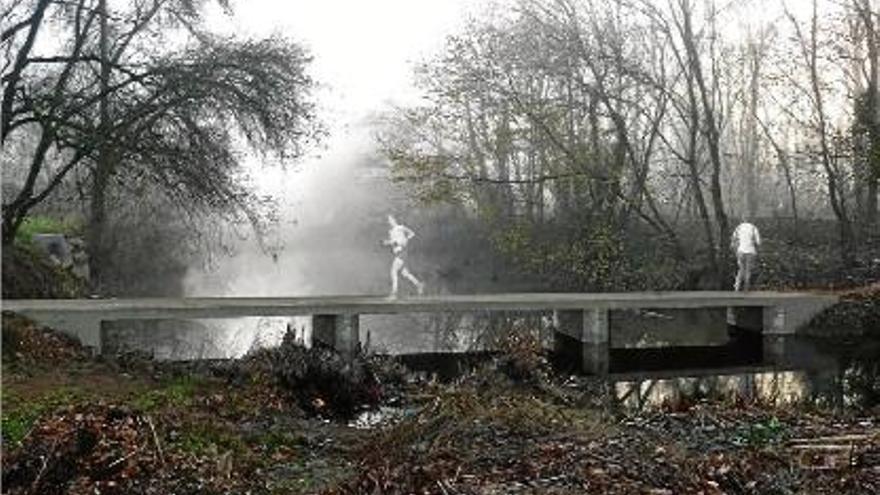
(579, 317)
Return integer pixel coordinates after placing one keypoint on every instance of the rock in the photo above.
(56, 247)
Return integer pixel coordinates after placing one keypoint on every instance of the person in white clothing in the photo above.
(745, 240)
(398, 237)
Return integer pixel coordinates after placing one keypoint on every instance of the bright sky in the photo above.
(363, 54)
(363, 57)
(362, 49)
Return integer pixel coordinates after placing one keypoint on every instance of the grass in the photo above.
(41, 224)
(20, 413)
(761, 433)
(176, 392)
(210, 438)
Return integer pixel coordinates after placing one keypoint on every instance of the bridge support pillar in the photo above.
(777, 335)
(771, 322)
(774, 321)
(765, 319)
(341, 332)
(588, 330)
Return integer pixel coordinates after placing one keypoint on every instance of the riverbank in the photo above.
(857, 313)
(73, 424)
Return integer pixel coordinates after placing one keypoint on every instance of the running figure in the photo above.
(745, 241)
(398, 237)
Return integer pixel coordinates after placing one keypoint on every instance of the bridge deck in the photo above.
(583, 317)
(230, 307)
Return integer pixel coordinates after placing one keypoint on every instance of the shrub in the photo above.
(522, 357)
(28, 274)
(322, 381)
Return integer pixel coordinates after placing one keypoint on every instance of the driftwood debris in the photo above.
(838, 451)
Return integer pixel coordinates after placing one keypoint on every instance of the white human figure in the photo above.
(745, 241)
(398, 237)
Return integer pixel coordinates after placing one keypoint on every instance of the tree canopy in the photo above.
(138, 94)
(588, 131)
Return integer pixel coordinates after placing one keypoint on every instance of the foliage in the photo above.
(858, 313)
(152, 105)
(149, 247)
(21, 412)
(761, 434)
(41, 224)
(222, 427)
(28, 274)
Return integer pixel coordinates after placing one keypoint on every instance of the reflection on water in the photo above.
(836, 374)
(658, 358)
(771, 387)
(207, 338)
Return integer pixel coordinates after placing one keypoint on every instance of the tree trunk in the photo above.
(712, 135)
(834, 178)
(751, 151)
(101, 177)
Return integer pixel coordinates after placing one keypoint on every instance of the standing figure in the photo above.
(398, 237)
(745, 241)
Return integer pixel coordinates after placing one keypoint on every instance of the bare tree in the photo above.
(866, 127)
(829, 151)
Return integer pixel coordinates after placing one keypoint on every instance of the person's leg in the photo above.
(396, 265)
(749, 262)
(412, 278)
(740, 261)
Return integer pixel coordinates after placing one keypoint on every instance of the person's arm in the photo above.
(734, 239)
(408, 232)
(757, 237)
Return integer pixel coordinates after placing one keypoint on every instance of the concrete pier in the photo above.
(340, 332)
(587, 330)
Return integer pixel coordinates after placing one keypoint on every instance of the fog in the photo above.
(326, 240)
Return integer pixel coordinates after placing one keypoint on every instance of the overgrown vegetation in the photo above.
(512, 425)
(858, 313)
(28, 274)
(141, 100)
(615, 144)
(42, 224)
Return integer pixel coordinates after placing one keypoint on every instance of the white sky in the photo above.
(363, 57)
(362, 49)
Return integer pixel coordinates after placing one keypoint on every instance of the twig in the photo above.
(156, 440)
(443, 488)
(834, 439)
(36, 482)
(123, 458)
(823, 447)
(30, 430)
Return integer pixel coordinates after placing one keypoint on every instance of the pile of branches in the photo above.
(84, 449)
(323, 382)
(27, 343)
